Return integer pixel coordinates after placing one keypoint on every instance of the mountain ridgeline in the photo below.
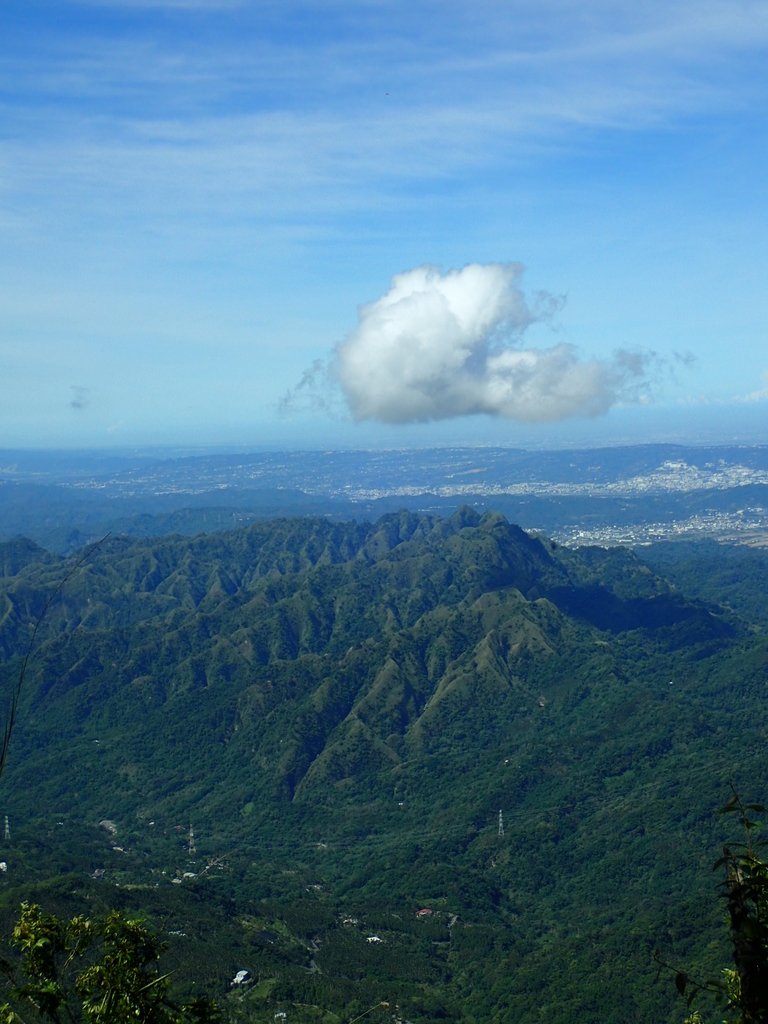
(367, 719)
(349, 646)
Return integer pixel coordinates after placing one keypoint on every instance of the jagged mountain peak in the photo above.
(393, 627)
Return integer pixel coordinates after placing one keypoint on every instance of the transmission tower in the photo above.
(501, 824)
(191, 848)
(7, 833)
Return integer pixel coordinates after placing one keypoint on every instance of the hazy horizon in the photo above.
(721, 427)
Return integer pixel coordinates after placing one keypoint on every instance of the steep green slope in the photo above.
(731, 574)
(342, 711)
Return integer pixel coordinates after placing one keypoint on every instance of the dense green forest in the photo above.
(438, 764)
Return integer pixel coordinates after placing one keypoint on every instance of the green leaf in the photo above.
(731, 805)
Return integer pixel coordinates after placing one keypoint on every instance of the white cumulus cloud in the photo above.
(445, 344)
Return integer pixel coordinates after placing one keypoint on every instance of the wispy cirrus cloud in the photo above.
(179, 171)
(171, 5)
(356, 113)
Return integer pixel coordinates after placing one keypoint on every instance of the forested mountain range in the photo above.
(362, 722)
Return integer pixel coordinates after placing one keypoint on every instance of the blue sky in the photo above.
(215, 219)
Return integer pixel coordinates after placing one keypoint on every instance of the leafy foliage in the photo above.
(79, 970)
(743, 987)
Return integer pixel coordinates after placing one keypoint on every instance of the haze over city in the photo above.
(377, 223)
